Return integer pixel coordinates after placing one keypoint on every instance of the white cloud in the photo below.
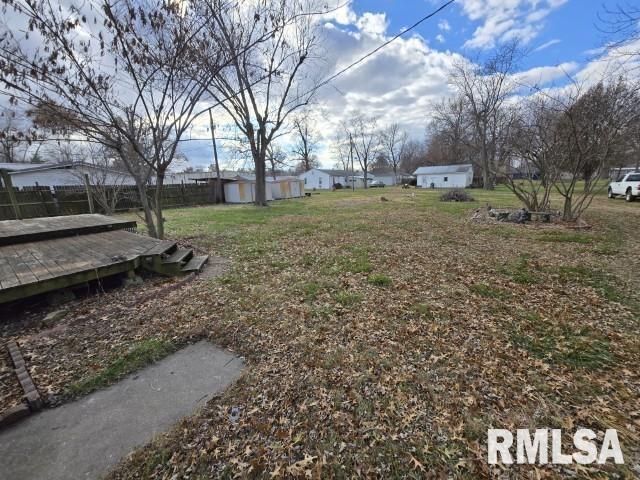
(541, 76)
(343, 13)
(444, 25)
(440, 38)
(504, 20)
(546, 45)
(373, 23)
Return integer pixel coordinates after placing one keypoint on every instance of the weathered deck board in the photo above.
(37, 267)
(23, 231)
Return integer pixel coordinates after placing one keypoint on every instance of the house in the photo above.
(389, 177)
(445, 176)
(323, 179)
(63, 174)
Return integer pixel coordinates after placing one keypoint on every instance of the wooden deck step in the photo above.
(195, 264)
(163, 248)
(13, 232)
(180, 256)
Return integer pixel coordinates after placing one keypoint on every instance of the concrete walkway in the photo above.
(84, 439)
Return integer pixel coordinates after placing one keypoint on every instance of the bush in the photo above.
(337, 186)
(457, 195)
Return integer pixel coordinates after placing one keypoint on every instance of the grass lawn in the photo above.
(384, 338)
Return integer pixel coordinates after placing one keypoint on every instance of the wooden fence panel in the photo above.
(45, 201)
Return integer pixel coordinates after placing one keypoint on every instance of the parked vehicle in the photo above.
(376, 184)
(629, 186)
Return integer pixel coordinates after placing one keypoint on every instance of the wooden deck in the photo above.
(20, 231)
(46, 254)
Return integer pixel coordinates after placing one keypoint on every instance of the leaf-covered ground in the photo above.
(382, 338)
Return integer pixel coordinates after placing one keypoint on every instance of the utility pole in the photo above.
(215, 158)
(353, 170)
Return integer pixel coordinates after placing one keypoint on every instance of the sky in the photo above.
(403, 81)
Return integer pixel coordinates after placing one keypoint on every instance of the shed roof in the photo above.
(334, 173)
(444, 169)
(383, 172)
(38, 167)
(15, 167)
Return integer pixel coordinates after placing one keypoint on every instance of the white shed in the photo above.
(322, 179)
(243, 191)
(445, 176)
(286, 188)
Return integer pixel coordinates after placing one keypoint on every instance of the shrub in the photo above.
(456, 195)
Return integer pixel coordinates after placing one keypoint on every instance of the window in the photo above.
(633, 178)
(320, 181)
(446, 179)
(305, 180)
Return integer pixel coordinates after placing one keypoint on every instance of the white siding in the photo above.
(243, 192)
(445, 180)
(388, 180)
(67, 177)
(316, 179)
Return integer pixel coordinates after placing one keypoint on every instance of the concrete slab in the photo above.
(84, 439)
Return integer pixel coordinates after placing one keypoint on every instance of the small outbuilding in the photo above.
(243, 191)
(284, 187)
(445, 176)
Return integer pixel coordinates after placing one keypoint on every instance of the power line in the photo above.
(373, 52)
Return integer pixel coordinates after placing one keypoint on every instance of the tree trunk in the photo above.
(215, 159)
(146, 207)
(567, 212)
(261, 180)
(366, 183)
(158, 205)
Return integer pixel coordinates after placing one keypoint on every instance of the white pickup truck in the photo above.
(628, 185)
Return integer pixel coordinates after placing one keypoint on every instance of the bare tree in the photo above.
(14, 141)
(305, 143)
(105, 183)
(111, 75)
(450, 133)
(534, 168)
(415, 156)
(277, 159)
(265, 84)
(342, 150)
(591, 129)
(621, 26)
(394, 144)
(365, 138)
(483, 89)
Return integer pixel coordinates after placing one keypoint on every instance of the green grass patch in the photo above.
(139, 355)
(357, 261)
(521, 271)
(379, 280)
(596, 279)
(561, 343)
(311, 290)
(486, 291)
(348, 299)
